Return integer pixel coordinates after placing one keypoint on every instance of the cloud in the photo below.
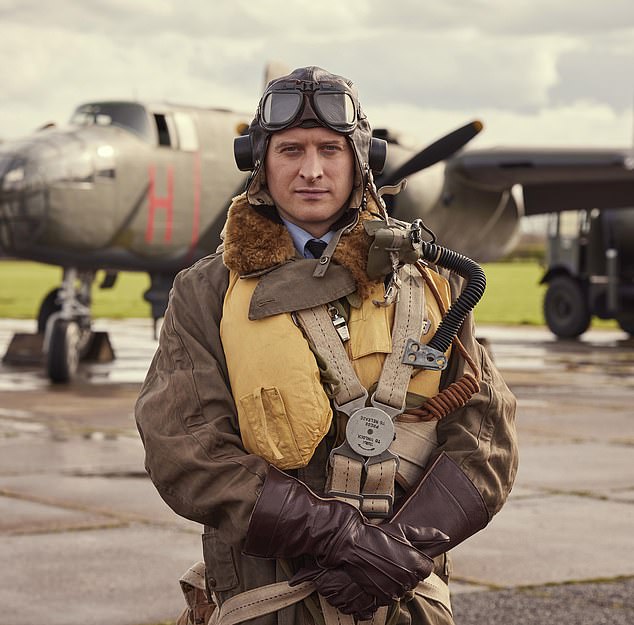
(520, 17)
(578, 125)
(600, 70)
(456, 58)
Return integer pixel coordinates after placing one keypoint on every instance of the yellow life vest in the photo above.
(283, 410)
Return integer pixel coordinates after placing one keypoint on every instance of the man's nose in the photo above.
(311, 168)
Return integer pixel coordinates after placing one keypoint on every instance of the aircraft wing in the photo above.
(552, 179)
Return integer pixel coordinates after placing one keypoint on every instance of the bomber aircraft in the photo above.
(133, 186)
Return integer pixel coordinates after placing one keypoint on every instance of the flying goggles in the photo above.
(297, 102)
(310, 97)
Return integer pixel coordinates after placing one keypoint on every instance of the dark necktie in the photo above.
(316, 247)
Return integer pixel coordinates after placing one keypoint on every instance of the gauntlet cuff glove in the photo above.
(290, 520)
(447, 499)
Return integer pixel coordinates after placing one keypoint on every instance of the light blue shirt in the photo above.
(300, 237)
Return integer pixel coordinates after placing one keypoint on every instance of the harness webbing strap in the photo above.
(332, 616)
(434, 587)
(345, 479)
(260, 601)
(378, 488)
(194, 576)
(395, 376)
(377, 494)
(347, 472)
(408, 322)
(317, 325)
(273, 597)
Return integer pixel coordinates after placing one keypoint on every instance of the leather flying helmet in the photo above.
(310, 97)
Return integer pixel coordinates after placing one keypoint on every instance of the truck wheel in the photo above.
(626, 324)
(565, 308)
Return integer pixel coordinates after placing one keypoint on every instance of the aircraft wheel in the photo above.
(626, 324)
(565, 308)
(63, 351)
(48, 306)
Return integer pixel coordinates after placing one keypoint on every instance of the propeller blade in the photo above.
(439, 150)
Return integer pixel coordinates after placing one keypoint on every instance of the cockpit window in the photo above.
(126, 115)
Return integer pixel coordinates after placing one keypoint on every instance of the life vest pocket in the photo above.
(286, 441)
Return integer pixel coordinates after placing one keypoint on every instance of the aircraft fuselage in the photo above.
(100, 195)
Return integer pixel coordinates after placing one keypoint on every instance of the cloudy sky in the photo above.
(537, 72)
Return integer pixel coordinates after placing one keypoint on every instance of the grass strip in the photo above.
(513, 296)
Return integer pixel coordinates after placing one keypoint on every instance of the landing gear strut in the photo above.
(67, 325)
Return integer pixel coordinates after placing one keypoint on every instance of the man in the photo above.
(254, 412)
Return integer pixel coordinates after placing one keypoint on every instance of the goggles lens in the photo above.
(335, 109)
(280, 108)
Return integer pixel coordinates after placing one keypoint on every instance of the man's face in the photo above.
(310, 174)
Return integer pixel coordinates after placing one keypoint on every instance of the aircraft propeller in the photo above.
(438, 151)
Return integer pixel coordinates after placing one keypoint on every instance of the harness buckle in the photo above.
(377, 514)
(342, 494)
(383, 457)
(389, 410)
(370, 431)
(350, 407)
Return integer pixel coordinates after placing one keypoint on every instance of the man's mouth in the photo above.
(311, 193)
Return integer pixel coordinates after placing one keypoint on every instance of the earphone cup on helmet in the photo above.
(377, 155)
(243, 153)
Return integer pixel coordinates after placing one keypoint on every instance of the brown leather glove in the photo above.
(341, 591)
(338, 589)
(447, 499)
(444, 498)
(289, 520)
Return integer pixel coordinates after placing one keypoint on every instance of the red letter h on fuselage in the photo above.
(155, 202)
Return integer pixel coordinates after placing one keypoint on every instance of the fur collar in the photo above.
(254, 242)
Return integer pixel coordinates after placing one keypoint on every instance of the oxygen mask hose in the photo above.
(467, 300)
(397, 242)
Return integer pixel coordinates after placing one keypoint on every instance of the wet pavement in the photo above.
(87, 540)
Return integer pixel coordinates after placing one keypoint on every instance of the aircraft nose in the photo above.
(22, 202)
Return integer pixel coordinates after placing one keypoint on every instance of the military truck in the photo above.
(590, 270)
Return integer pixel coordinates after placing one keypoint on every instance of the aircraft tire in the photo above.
(626, 324)
(565, 308)
(48, 306)
(63, 351)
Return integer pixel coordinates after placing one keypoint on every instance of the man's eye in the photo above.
(332, 148)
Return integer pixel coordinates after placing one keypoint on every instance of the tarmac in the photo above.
(87, 540)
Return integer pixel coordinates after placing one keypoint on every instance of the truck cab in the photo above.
(590, 270)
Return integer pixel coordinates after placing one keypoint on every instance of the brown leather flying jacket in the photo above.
(188, 422)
